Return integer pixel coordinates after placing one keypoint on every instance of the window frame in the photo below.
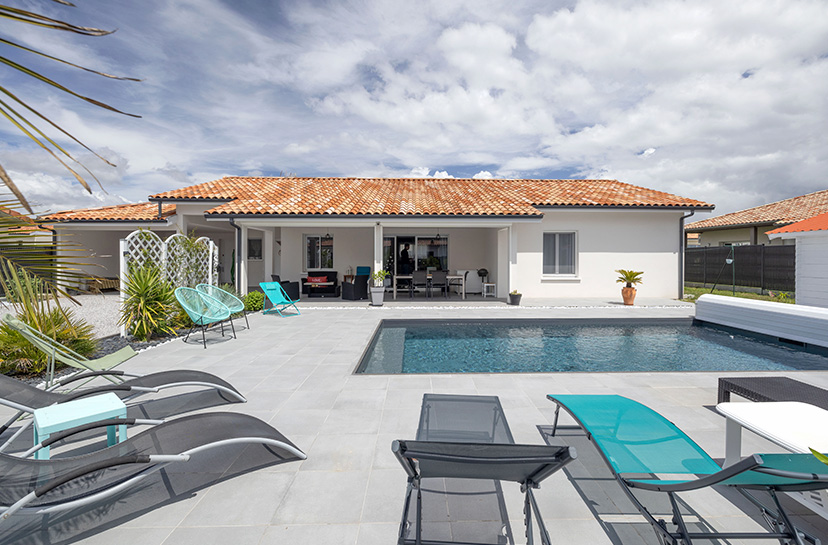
(320, 238)
(575, 255)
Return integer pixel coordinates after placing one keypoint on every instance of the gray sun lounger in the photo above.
(49, 486)
(25, 398)
(467, 437)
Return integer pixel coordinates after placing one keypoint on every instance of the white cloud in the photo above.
(721, 102)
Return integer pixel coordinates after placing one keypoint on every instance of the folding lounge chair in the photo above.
(277, 296)
(233, 303)
(467, 437)
(204, 310)
(48, 486)
(26, 398)
(634, 440)
(65, 355)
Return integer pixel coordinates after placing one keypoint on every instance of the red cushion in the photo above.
(316, 279)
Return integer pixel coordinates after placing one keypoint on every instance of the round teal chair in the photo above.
(230, 301)
(204, 310)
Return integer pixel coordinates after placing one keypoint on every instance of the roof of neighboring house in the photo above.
(240, 195)
(28, 225)
(775, 213)
(817, 223)
(137, 212)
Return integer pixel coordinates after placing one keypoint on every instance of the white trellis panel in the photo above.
(183, 261)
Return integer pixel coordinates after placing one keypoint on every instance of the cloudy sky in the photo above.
(721, 101)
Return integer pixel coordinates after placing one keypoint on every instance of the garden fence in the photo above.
(755, 266)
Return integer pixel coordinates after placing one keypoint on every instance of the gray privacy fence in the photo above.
(756, 266)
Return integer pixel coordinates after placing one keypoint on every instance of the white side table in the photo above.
(489, 289)
(63, 416)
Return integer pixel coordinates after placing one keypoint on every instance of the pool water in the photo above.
(531, 346)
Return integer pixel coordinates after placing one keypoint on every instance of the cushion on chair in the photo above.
(317, 279)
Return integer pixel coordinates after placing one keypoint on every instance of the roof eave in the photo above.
(627, 206)
(779, 223)
(487, 217)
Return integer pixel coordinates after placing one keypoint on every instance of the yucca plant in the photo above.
(148, 304)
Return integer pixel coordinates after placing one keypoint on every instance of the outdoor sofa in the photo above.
(312, 289)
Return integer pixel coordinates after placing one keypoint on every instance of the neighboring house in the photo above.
(545, 238)
(811, 238)
(751, 226)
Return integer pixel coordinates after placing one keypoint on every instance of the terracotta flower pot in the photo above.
(629, 295)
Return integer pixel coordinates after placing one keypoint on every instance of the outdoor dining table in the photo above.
(449, 278)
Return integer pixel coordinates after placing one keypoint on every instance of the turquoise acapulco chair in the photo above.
(233, 303)
(203, 310)
(276, 294)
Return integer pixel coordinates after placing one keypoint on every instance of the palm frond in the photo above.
(62, 61)
(32, 18)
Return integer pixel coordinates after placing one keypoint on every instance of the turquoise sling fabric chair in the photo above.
(203, 310)
(233, 303)
(276, 294)
(65, 355)
(634, 440)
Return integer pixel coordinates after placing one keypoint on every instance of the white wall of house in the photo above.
(811, 266)
(720, 237)
(643, 240)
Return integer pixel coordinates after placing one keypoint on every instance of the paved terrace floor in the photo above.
(297, 374)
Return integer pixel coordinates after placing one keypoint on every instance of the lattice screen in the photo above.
(184, 261)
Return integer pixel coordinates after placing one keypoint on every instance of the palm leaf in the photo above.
(73, 65)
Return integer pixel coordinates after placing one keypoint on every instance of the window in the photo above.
(432, 252)
(318, 252)
(559, 253)
(254, 248)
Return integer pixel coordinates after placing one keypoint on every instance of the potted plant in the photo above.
(630, 278)
(378, 287)
(514, 297)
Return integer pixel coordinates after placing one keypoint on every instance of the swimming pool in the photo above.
(531, 346)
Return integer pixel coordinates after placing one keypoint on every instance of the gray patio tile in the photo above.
(360, 399)
(311, 399)
(410, 399)
(296, 422)
(351, 452)
(366, 382)
(453, 384)
(378, 533)
(344, 421)
(384, 498)
(401, 422)
(245, 500)
(216, 535)
(409, 382)
(311, 534)
(127, 536)
(383, 457)
(323, 497)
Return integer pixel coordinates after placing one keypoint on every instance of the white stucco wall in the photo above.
(645, 240)
(812, 269)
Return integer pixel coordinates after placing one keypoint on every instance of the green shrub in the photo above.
(254, 301)
(18, 355)
(149, 303)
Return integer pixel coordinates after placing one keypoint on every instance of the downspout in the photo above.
(681, 252)
(238, 254)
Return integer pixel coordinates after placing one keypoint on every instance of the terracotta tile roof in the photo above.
(27, 224)
(775, 213)
(817, 223)
(142, 211)
(416, 196)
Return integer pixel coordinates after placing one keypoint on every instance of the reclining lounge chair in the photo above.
(65, 355)
(638, 444)
(467, 437)
(25, 398)
(49, 486)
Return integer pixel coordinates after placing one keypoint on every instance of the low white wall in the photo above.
(642, 240)
(812, 270)
(795, 322)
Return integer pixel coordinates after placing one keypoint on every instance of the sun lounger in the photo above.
(467, 437)
(49, 486)
(638, 445)
(25, 398)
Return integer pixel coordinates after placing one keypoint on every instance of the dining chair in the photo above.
(418, 279)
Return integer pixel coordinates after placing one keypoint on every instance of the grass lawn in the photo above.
(691, 294)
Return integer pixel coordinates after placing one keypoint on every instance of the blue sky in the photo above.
(721, 101)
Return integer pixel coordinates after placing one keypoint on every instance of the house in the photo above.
(811, 238)
(751, 226)
(545, 238)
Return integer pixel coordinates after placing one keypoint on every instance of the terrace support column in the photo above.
(243, 283)
(268, 249)
(378, 265)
